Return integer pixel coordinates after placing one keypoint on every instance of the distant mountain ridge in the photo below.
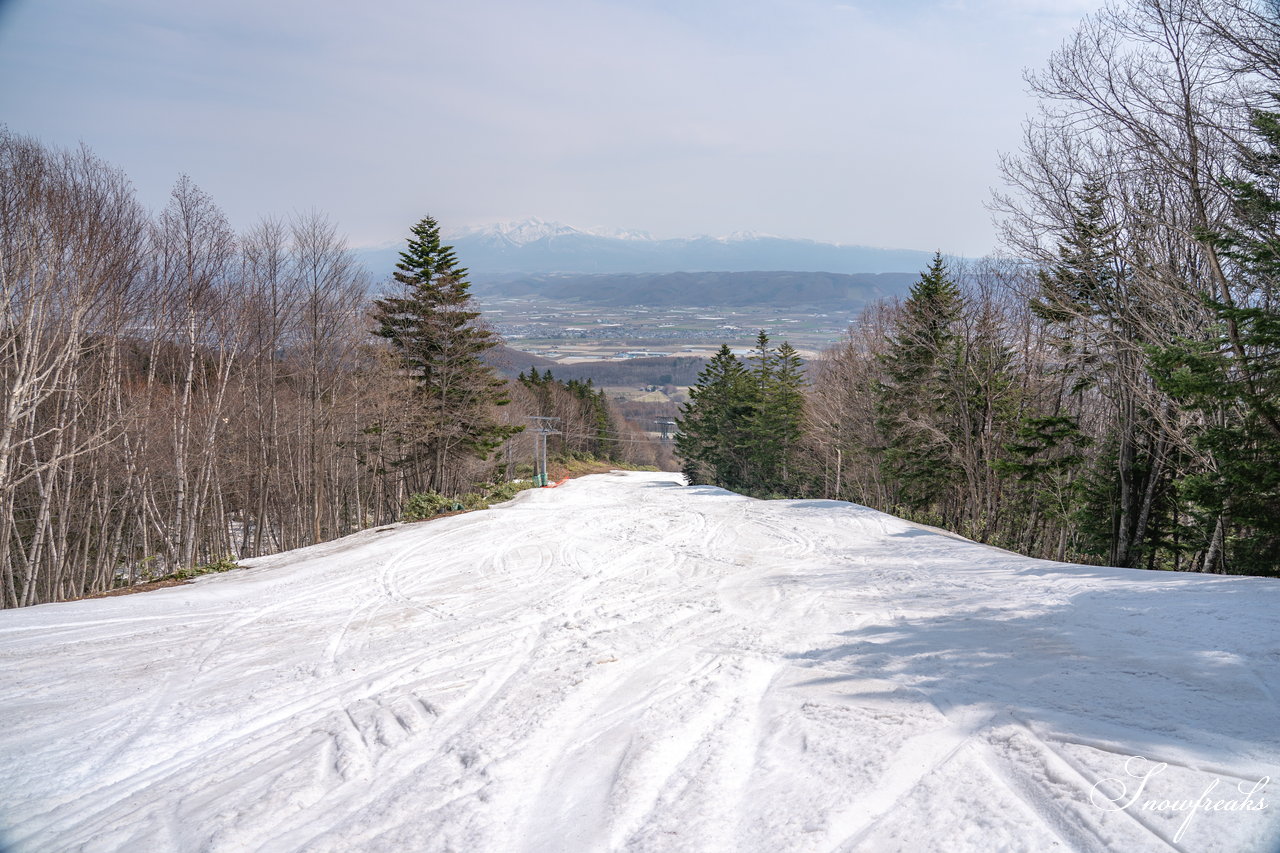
(537, 247)
(783, 289)
(521, 233)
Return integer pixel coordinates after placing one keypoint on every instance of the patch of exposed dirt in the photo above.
(129, 590)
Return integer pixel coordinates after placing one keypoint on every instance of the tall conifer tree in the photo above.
(777, 412)
(915, 394)
(433, 329)
(712, 426)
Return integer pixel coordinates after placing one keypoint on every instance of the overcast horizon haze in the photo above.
(876, 124)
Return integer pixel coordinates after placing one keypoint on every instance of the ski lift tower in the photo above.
(666, 426)
(542, 427)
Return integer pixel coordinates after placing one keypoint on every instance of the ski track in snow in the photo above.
(624, 663)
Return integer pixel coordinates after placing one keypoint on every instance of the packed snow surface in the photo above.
(628, 663)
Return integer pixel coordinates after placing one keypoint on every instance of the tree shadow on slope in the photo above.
(1195, 663)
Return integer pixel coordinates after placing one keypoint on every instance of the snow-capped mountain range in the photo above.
(536, 246)
(524, 232)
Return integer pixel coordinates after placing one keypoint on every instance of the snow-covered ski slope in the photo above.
(625, 663)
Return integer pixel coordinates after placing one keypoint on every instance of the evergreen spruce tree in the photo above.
(742, 424)
(540, 385)
(433, 329)
(787, 401)
(595, 409)
(776, 424)
(605, 427)
(763, 456)
(914, 396)
(1042, 459)
(762, 359)
(712, 427)
(1078, 294)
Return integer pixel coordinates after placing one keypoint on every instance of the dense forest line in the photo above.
(1110, 392)
(176, 395)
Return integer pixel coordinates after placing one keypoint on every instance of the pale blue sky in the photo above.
(854, 122)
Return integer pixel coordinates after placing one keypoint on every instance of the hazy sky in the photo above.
(876, 123)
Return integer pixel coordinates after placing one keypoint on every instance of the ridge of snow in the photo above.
(518, 233)
(523, 232)
(747, 236)
(620, 234)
